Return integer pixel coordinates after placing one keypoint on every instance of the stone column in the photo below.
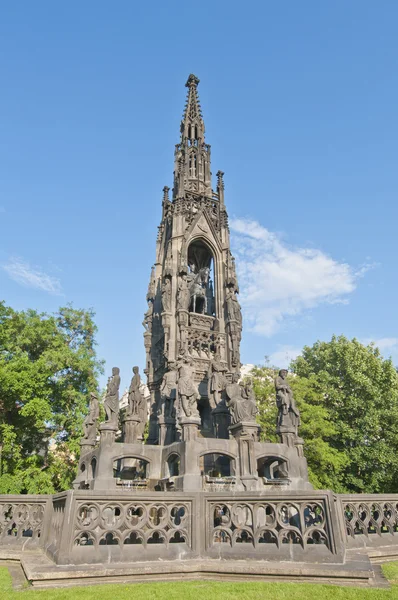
(166, 430)
(131, 430)
(107, 433)
(246, 434)
(190, 427)
(86, 446)
(221, 421)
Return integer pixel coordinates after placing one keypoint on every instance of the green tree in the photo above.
(325, 463)
(358, 390)
(48, 366)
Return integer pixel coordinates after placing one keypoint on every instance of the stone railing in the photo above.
(115, 527)
(22, 518)
(83, 526)
(284, 525)
(369, 519)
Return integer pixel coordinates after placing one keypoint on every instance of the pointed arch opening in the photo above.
(201, 278)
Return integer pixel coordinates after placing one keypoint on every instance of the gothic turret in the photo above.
(193, 315)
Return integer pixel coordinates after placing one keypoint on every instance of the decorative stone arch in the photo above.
(173, 464)
(216, 465)
(273, 466)
(216, 255)
(131, 464)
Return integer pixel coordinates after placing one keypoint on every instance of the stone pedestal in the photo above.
(132, 430)
(107, 433)
(86, 446)
(287, 435)
(221, 421)
(166, 430)
(245, 429)
(190, 427)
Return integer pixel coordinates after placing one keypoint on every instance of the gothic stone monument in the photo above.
(199, 485)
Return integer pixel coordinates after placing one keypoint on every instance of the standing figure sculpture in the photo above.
(136, 401)
(168, 391)
(148, 317)
(111, 402)
(234, 312)
(183, 293)
(90, 422)
(288, 419)
(166, 295)
(188, 393)
(217, 382)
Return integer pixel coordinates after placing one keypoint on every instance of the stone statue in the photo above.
(217, 382)
(166, 295)
(148, 317)
(241, 401)
(288, 419)
(111, 402)
(183, 293)
(233, 307)
(90, 422)
(188, 393)
(136, 401)
(249, 400)
(168, 391)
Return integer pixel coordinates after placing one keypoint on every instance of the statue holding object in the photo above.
(90, 422)
(136, 400)
(288, 419)
(217, 382)
(111, 402)
(241, 401)
(188, 393)
(168, 391)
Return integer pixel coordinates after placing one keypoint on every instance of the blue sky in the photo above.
(300, 104)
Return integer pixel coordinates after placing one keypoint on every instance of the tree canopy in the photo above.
(348, 398)
(48, 366)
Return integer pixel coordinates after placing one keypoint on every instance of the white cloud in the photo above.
(388, 343)
(29, 276)
(279, 282)
(283, 357)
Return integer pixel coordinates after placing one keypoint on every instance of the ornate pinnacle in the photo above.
(220, 182)
(166, 193)
(192, 81)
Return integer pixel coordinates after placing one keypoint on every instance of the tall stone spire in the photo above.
(192, 125)
(192, 155)
(195, 316)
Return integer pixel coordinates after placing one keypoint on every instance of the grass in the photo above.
(194, 590)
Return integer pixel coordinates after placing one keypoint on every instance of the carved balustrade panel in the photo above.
(136, 522)
(371, 517)
(276, 523)
(21, 519)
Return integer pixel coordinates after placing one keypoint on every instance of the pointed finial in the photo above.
(220, 181)
(166, 193)
(192, 81)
